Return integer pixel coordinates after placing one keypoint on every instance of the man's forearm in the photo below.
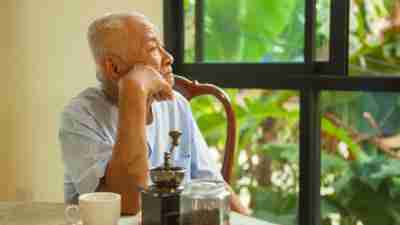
(235, 203)
(128, 167)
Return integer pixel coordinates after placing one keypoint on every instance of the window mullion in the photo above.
(174, 31)
(339, 37)
(199, 30)
(309, 212)
(309, 36)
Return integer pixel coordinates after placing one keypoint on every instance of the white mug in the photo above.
(98, 208)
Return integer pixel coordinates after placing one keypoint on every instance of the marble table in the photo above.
(43, 213)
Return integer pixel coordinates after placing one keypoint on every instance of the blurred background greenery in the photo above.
(360, 171)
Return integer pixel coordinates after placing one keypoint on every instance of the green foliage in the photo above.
(273, 203)
(365, 189)
(374, 47)
(280, 152)
(342, 135)
(281, 207)
(241, 32)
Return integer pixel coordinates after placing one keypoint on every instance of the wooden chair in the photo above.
(190, 89)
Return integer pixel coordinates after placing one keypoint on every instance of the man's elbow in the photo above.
(124, 180)
(130, 199)
(130, 203)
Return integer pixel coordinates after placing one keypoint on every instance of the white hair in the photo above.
(110, 28)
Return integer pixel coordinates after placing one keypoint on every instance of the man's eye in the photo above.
(153, 48)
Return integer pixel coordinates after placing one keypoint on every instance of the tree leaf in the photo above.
(394, 188)
(327, 208)
(333, 164)
(388, 168)
(288, 152)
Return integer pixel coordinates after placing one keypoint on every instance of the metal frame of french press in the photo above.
(309, 78)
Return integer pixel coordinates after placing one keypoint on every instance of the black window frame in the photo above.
(309, 78)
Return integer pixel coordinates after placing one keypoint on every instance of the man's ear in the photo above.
(114, 67)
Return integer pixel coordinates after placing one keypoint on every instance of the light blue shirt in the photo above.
(88, 131)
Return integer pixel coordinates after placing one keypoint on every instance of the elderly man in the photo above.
(113, 134)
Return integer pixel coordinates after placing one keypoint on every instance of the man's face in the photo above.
(151, 51)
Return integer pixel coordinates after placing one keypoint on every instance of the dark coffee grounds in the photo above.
(204, 217)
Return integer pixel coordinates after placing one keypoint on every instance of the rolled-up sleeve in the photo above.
(85, 156)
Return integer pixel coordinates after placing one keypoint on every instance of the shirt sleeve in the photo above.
(84, 154)
(202, 164)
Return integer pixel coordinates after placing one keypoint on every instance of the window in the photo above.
(374, 38)
(359, 142)
(316, 71)
(266, 169)
(237, 32)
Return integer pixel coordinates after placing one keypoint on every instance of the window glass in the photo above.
(360, 176)
(266, 168)
(256, 31)
(374, 47)
(322, 30)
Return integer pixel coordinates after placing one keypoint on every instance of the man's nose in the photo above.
(168, 58)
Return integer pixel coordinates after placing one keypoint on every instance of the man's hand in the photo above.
(147, 80)
(128, 167)
(236, 204)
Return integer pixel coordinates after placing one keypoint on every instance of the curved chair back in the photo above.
(190, 89)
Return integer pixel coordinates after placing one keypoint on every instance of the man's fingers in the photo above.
(169, 78)
(165, 93)
(166, 89)
(168, 92)
(163, 96)
(158, 86)
(158, 97)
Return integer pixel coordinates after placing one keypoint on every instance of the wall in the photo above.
(45, 61)
(7, 110)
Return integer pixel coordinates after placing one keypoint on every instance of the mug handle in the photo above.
(72, 215)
